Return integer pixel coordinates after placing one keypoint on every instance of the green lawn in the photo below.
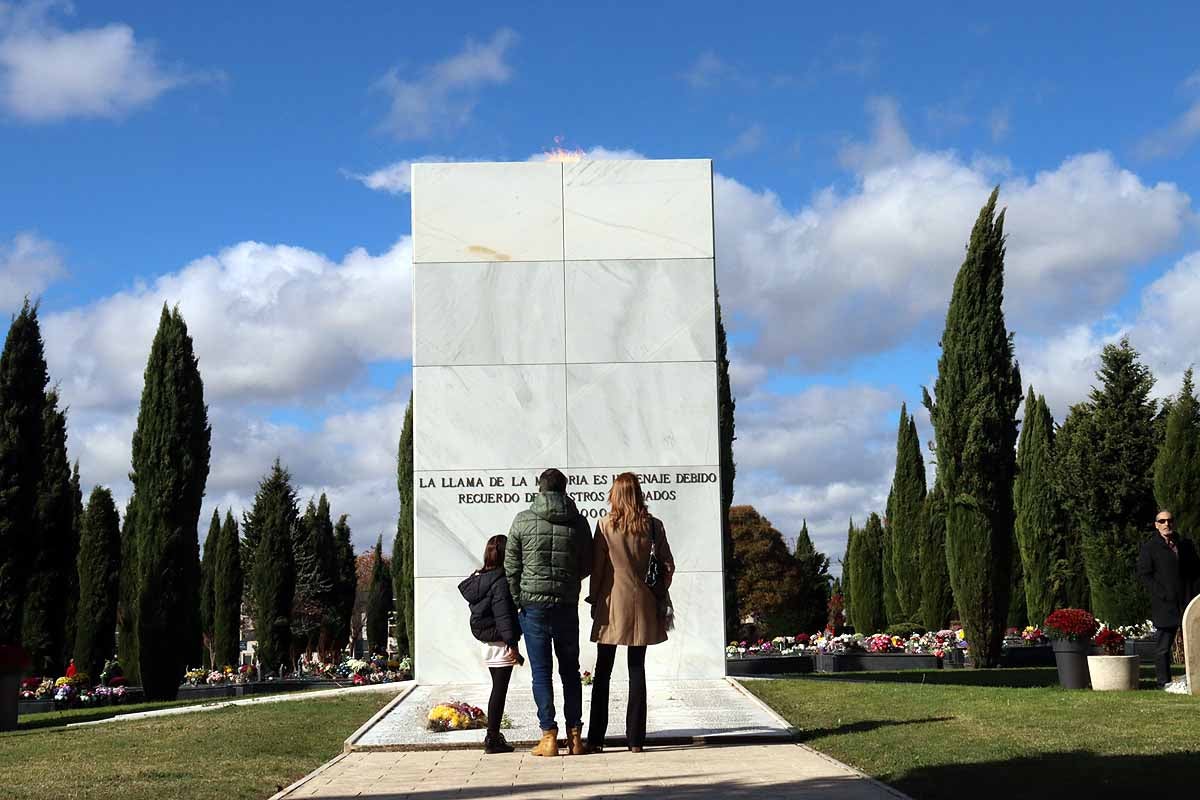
(948, 734)
(235, 752)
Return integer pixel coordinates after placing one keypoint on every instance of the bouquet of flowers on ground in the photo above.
(1071, 624)
(1112, 642)
(215, 677)
(196, 676)
(456, 716)
(1033, 635)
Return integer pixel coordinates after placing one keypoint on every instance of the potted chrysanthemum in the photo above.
(1114, 671)
(1071, 631)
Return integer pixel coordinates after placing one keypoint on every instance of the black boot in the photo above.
(496, 744)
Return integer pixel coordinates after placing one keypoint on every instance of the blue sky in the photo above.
(221, 156)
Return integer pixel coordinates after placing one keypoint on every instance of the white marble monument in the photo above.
(564, 316)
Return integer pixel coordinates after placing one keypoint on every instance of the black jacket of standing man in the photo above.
(1170, 570)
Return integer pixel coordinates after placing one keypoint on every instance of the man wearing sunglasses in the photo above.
(1170, 570)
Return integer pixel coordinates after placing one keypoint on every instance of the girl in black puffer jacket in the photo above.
(494, 622)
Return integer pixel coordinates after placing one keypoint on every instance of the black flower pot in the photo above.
(1071, 658)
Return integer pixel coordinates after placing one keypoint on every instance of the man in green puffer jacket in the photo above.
(549, 553)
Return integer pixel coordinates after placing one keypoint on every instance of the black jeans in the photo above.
(495, 709)
(635, 715)
(1164, 643)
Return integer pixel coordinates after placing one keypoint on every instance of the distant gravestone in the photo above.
(1191, 645)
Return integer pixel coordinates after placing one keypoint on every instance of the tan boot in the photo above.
(575, 745)
(548, 746)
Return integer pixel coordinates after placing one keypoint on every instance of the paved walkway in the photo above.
(679, 712)
(695, 772)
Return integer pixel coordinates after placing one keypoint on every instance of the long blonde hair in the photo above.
(627, 505)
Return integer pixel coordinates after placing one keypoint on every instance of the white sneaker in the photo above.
(1177, 687)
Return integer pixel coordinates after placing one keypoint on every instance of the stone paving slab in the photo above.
(678, 712)
(693, 772)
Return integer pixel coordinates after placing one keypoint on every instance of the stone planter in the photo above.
(770, 665)
(1113, 673)
(10, 684)
(873, 662)
(1072, 661)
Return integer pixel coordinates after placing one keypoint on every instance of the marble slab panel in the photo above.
(487, 212)
(694, 650)
(457, 512)
(503, 416)
(638, 209)
(642, 414)
(488, 313)
(656, 310)
(1191, 645)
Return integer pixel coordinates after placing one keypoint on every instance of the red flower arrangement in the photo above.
(1073, 624)
(1112, 642)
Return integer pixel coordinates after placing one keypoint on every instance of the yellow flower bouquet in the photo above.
(456, 716)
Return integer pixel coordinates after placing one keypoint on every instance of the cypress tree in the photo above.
(1106, 473)
(891, 601)
(906, 517)
(99, 582)
(127, 640)
(170, 467)
(72, 602)
(347, 583)
(1018, 611)
(1040, 531)
(937, 600)
(207, 566)
(379, 602)
(847, 569)
(1070, 441)
(50, 573)
(227, 595)
(326, 548)
(402, 546)
(978, 392)
(22, 398)
(867, 579)
(726, 404)
(272, 581)
(813, 584)
(1177, 467)
(313, 609)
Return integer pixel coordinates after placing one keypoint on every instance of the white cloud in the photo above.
(708, 71)
(1164, 331)
(395, 178)
(49, 74)
(595, 154)
(999, 124)
(858, 272)
(269, 322)
(28, 264)
(889, 144)
(1180, 134)
(750, 140)
(444, 95)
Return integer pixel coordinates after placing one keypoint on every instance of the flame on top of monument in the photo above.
(561, 154)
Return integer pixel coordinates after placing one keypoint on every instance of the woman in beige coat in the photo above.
(625, 610)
